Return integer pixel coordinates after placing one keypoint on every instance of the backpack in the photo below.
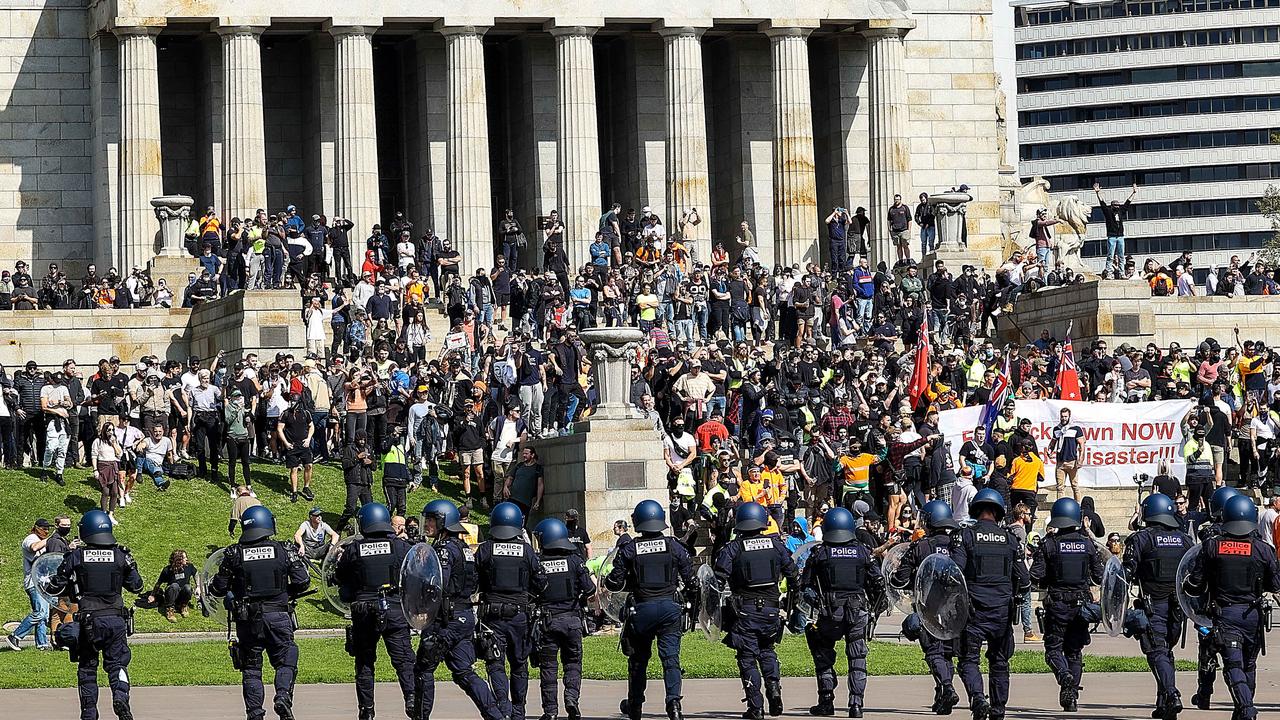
(306, 400)
(1161, 286)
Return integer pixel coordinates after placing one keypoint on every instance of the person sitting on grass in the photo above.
(314, 536)
(175, 588)
(153, 452)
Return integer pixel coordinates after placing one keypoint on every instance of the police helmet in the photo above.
(837, 526)
(506, 521)
(649, 517)
(374, 518)
(987, 499)
(552, 534)
(749, 517)
(445, 514)
(95, 528)
(1065, 514)
(912, 627)
(1219, 499)
(937, 514)
(256, 523)
(1239, 516)
(1158, 509)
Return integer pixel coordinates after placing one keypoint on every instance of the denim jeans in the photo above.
(486, 314)
(1115, 253)
(38, 619)
(667, 310)
(928, 238)
(147, 467)
(684, 332)
(700, 315)
(864, 306)
(274, 265)
(1042, 254)
(717, 402)
(570, 409)
(1024, 612)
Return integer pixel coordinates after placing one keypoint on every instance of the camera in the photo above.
(1141, 478)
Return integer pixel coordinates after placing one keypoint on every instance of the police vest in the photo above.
(990, 561)
(844, 568)
(562, 579)
(1068, 559)
(756, 566)
(264, 570)
(653, 566)
(1233, 569)
(1158, 565)
(100, 576)
(459, 565)
(507, 570)
(393, 464)
(378, 564)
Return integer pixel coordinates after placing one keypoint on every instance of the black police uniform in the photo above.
(1151, 558)
(559, 626)
(939, 655)
(650, 567)
(1235, 572)
(1066, 564)
(259, 579)
(844, 575)
(451, 637)
(1206, 649)
(368, 575)
(509, 571)
(93, 577)
(751, 566)
(991, 558)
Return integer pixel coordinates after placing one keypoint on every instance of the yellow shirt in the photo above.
(1027, 473)
(749, 491)
(857, 471)
(775, 486)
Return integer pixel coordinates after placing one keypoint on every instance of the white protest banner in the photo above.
(455, 341)
(1120, 439)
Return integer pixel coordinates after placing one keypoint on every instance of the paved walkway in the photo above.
(1114, 697)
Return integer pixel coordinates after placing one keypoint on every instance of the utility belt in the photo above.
(252, 610)
(1073, 597)
(851, 600)
(86, 618)
(741, 604)
(502, 610)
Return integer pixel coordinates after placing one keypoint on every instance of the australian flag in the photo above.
(1000, 393)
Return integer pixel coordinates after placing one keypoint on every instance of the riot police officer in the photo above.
(1151, 558)
(93, 576)
(559, 617)
(368, 576)
(751, 566)
(1234, 570)
(259, 578)
(651, 567)
(451, 637)
(1066, 564)
(939, 654)
(842, 573)
(991, 558)
(1206, 652)
(508, 571)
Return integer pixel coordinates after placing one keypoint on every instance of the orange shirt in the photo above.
(775, 487)
(1026, 474)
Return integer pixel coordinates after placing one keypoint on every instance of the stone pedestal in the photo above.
(173, 212)
(612, 461)
(949, 219)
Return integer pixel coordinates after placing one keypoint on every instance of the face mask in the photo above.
(64, 531)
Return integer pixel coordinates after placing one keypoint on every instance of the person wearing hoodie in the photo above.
(1092, 520)
(798, 534)
(963, 491)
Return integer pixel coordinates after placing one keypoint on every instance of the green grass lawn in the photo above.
(191, 515)
(324, 661)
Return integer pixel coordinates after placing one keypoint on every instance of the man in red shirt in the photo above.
(711, 433)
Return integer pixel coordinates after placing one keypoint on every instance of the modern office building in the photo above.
(1181, 97)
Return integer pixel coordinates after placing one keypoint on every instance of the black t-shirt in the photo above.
(524, 483)
(181, 577)
(580, 539)
(737, 291)
(1114, 217)
(717, 367)
(447, 255)
(531, 368)
(568, 358)
(110, 393)
(295, 426)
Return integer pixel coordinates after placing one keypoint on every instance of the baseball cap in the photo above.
(42, 523)
(315, 512)
(31, 363)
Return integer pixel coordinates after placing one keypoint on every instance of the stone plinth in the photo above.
(173, 212)
(612, 350)
(604, 469)
(949, 218)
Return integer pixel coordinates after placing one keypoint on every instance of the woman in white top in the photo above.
(106, 453)
(416, 336)
(126, 437)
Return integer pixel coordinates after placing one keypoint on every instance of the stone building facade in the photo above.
(766, 112)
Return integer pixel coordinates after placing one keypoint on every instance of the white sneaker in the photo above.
(128, 498)
(114, 521)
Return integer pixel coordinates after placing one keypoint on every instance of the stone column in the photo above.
(173, 212)
(612, 350)
(578, 149)
(244, 175)
(687, 169)
(890, 147)
(795, 182)
(355, 151)
(141, 171)
(471, 225)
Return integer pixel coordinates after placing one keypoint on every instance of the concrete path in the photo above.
(1114, 697)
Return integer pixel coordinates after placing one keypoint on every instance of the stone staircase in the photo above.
(1113, 505)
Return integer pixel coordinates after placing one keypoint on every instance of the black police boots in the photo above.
(673, 710)
(366, 713)
(855, 711)
(773, 692)
(1067, 698)
(826, 706)
(572, 711)
(122, 710)
(1172, 706)
(547, 716)
(284, 707)
(981, 707)
(1200, 701)
(945, 699)
(753, 714)
(632, 712)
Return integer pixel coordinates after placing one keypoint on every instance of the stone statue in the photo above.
(1002, 122)
(1068, 235)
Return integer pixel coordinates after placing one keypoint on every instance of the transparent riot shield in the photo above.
(1194, 607)
(421, 586)
(941, 597)
(1114, 597)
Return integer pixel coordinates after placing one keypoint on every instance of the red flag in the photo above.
(1068, 373)
(920, 373)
